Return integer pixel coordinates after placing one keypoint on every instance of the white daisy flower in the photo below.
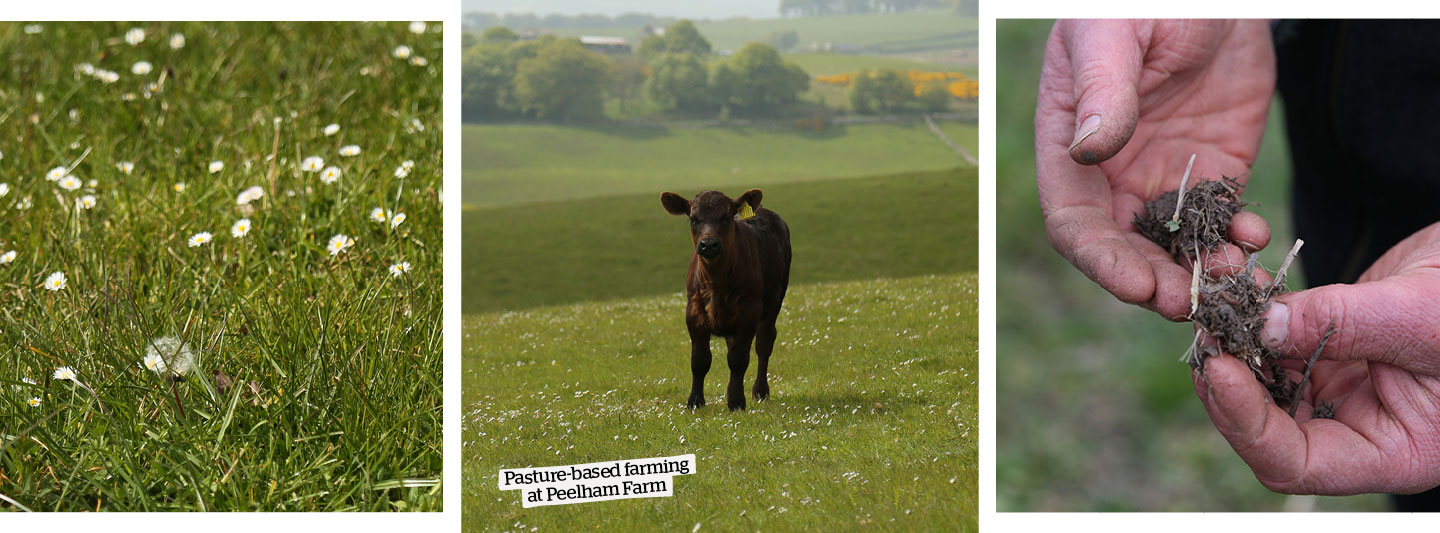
(8, 257)
(86, 69)
(135, 36)
(331, 130)
(140, 68)
(414, 126)
(125, 166)
(216, 166)
(396, 220)
(175, 355)
(92, 184)
(107, 76)
(32, 29)
(34, 401)
(339, 243)
(24, 204)
(312, 164)
(399, 268)
(402, 52)
(200, 238)
(69, 183)
(249, 195)
(4, 189)
(241, 228)
(56, 281)
(128, 97)
(56, 173)
(179, 187)
(417, 26)
(379, 215)
(154, 363)
(177, 41)
(404, 169)
(330, 174)
(86, 202)
(419, 61)
(350, 150)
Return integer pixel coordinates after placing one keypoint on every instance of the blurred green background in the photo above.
(1095, 411)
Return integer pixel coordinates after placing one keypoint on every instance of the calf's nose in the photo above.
(708, 248)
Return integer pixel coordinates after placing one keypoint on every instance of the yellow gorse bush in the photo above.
(956, 83)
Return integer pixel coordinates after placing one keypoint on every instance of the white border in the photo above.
(446, 12)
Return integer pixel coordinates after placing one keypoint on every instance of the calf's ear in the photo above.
(751, 197)
(674, 203)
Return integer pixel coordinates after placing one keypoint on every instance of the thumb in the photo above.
(1392, 321)
(1105, 61)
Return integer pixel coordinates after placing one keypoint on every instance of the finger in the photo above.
(1171, 296)
(1250, 231)
(1105, 63)
(1090, 240)
(1390, 321)
(1318, 457)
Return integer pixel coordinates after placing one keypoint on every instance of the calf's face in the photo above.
(712, 219)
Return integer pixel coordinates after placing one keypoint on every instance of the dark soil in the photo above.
(1204, 219)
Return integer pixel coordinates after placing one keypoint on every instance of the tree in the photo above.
(485, 76)
(883, 91)
(564, 80)
(679, 80)
(934, 96)
(627, 78)
(499, 34)
(763, 80)
(682, 37)
(651, 47)
(783, 40)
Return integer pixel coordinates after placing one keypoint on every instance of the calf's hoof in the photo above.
(696, 400)
(761, 391)
(737, 402)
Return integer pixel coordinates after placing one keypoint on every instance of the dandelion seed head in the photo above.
(174, 354)
(200, 239)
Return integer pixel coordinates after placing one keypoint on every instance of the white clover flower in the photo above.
(312, 164)
(350, 150)
(140, 68)
(56, 281)
(330, 175)
(399, 268)
(249, 195)
(402, 52)
(179, 187)
(86, 69)
(414, 125)
(135, 36)
(4, 189)
(199, 239)
(177, 41)
(339, 243)
(241, 228)
(419, 61)
(86, 202)
(216, 166)
(8, 257)
(125, 166)
(32, 29)
(154, 363)
(56, 173)
(331, 130)
(379, 215)
(404, 169)
(64, 373)
(417, 26)
(69, 183)
(396, 220)
(176, 356)
(34, 401)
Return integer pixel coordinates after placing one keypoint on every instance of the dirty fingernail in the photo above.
(1277, 325)
(1088, 127)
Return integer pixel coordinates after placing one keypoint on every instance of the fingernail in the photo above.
(1088, 127)
(1277, 325)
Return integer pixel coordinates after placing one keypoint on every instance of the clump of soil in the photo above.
(1204, 219)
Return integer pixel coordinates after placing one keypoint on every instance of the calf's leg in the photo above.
(764, 343)
(739, 359)
(699, 366)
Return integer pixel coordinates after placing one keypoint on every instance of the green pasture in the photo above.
(871, 423)
(313, 375)
(1094, 410)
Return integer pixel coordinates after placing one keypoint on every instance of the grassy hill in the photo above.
(516, 164)
(871, 423)
(594, 249)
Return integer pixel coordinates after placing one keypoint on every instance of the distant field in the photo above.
(596, 249)
(517, 164)
(817, 64)
(871, 424)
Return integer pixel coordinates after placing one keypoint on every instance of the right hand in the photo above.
(1175, 88)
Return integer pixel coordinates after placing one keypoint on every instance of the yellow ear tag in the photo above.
(745, 211)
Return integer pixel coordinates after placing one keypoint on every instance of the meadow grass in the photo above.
(1095, 412)
(316, 381)
(517, 164)
(602, 248)
(871, 422)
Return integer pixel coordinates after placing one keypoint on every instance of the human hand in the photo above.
(1380, 370)
(1174, 88)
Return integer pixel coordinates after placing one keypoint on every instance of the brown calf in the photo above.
(738, 274)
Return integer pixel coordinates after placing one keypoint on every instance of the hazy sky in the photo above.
(713, 9)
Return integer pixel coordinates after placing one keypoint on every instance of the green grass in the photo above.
(346, 358)
(819, 64)
(1096, 412)
(517, 164)
(871, 422)
(603, 248)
